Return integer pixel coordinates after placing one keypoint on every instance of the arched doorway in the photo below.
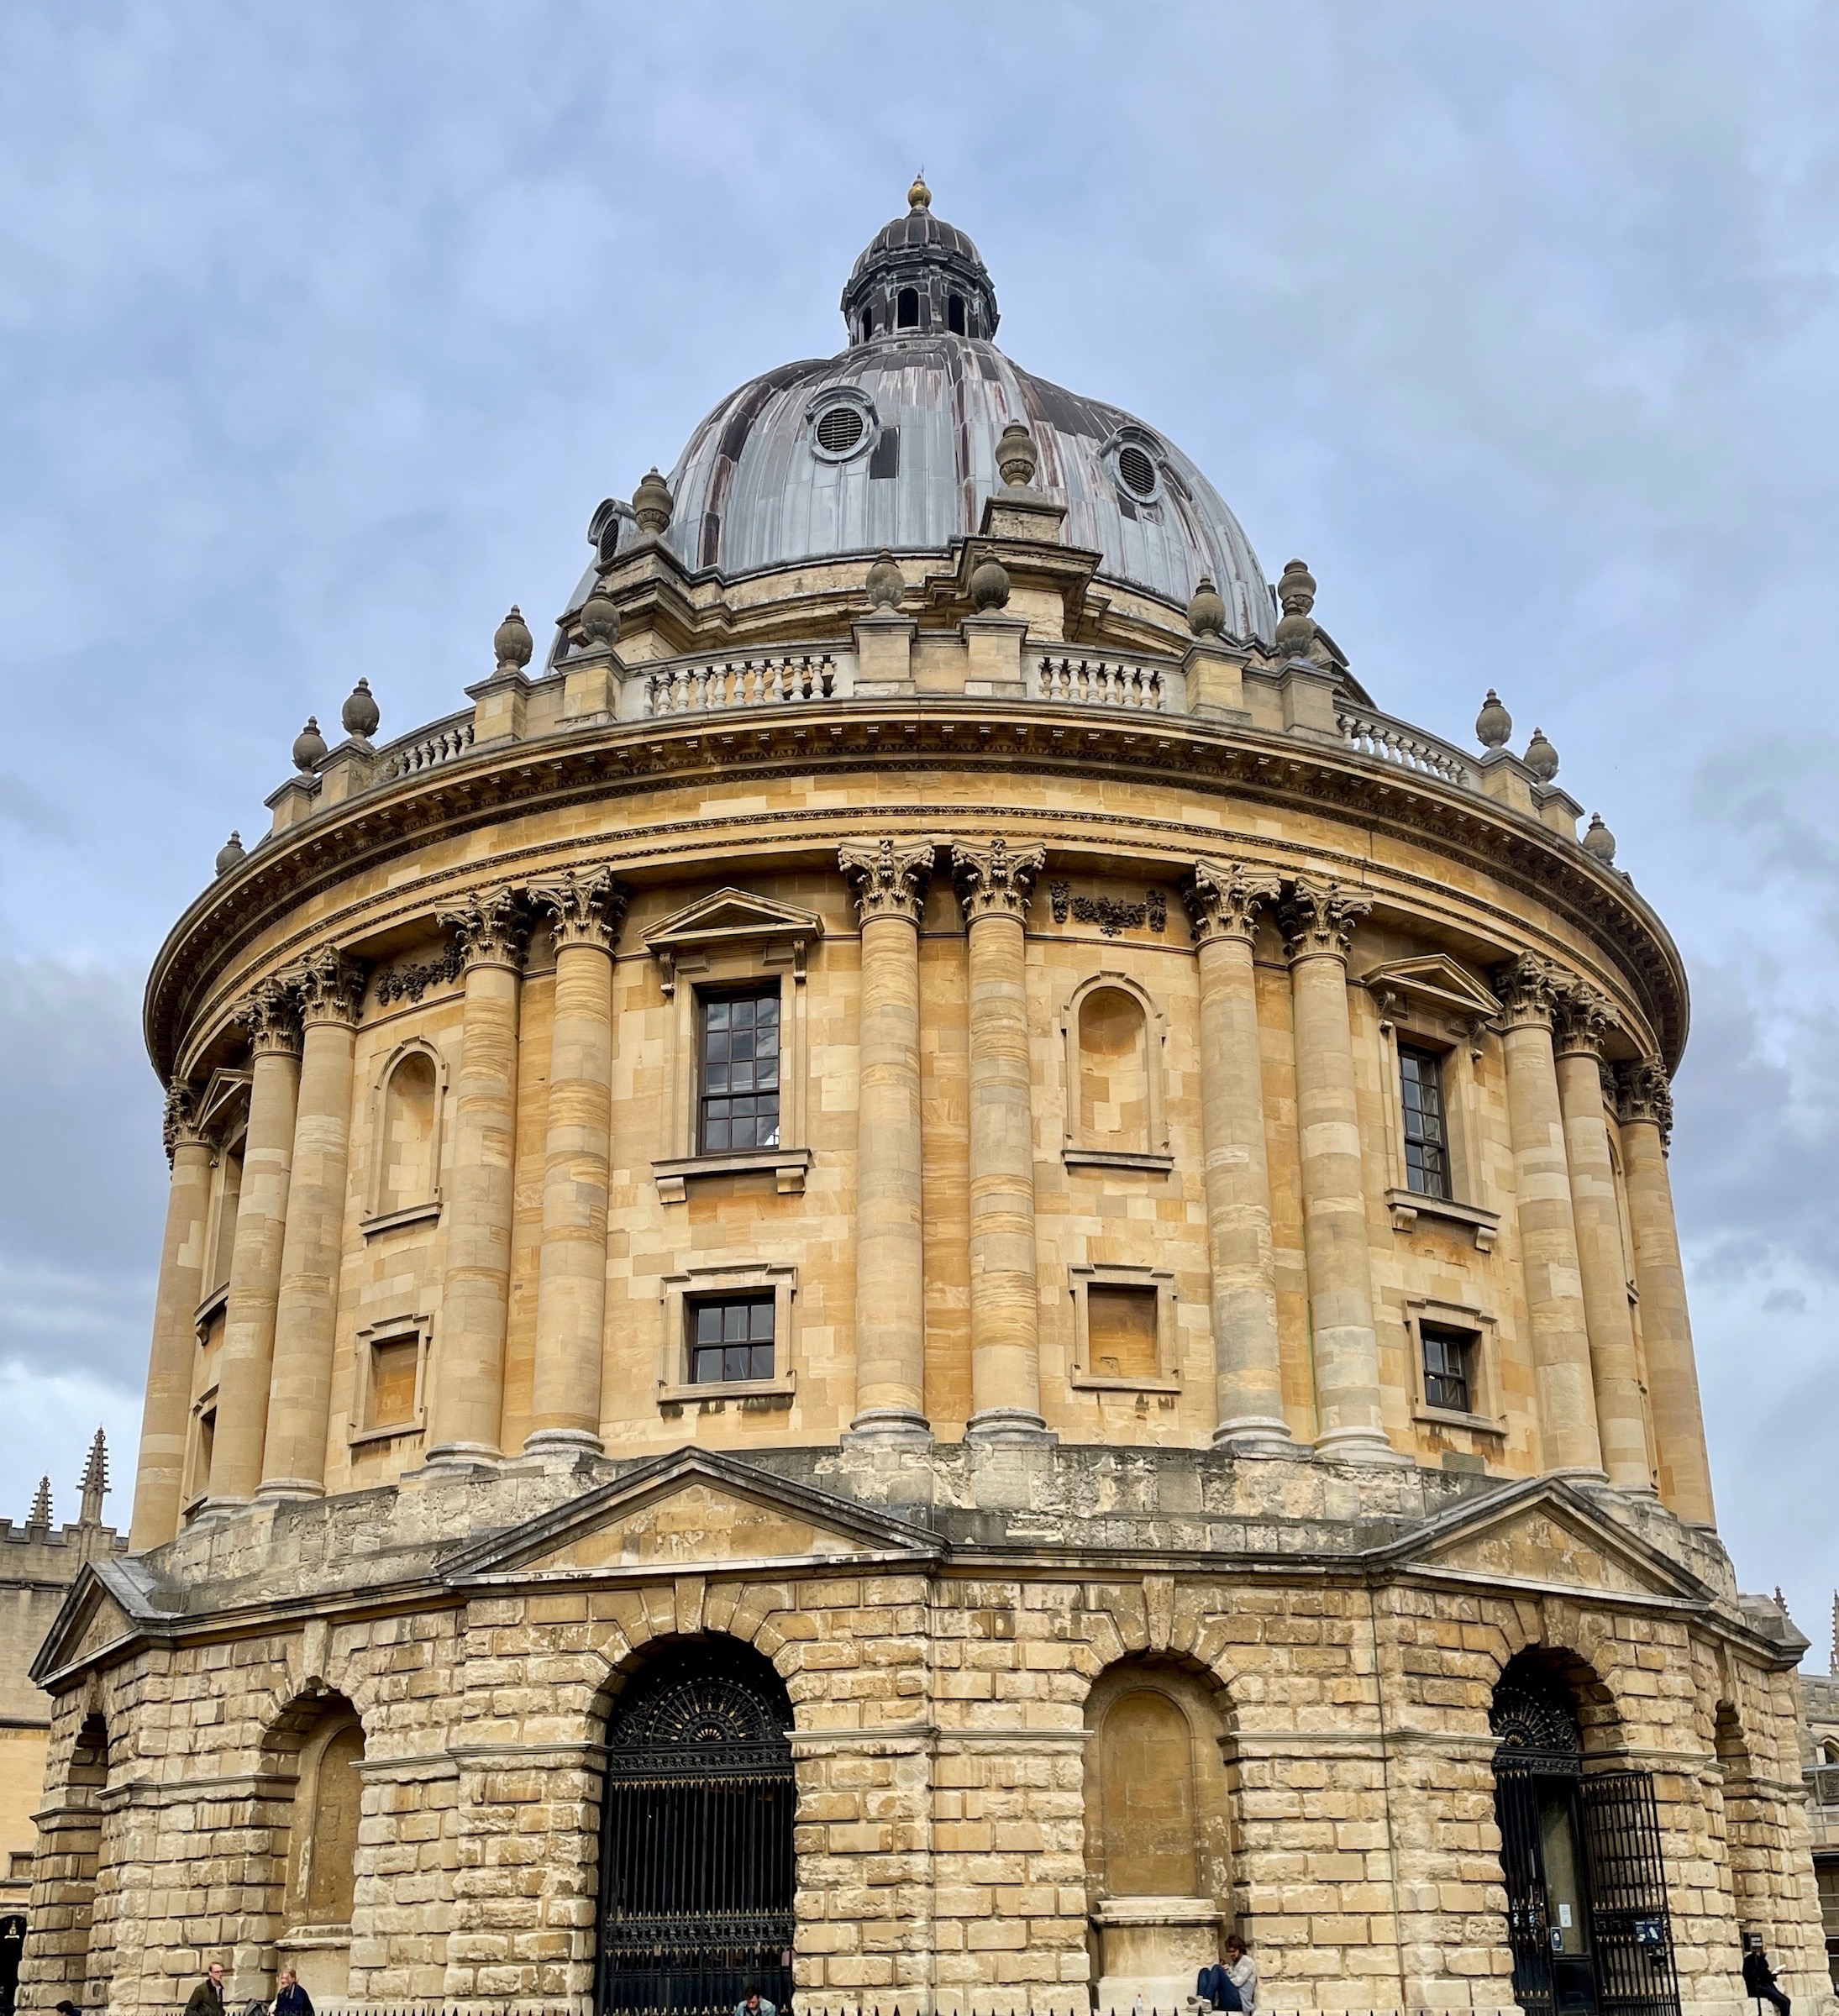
(696, 1872)
(1587, 1915)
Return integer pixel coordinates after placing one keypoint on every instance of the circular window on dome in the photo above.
(1137, 471)
(842, 424)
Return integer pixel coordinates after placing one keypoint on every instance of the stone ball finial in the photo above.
(886, 582)
(652, 505)
(309, 746)
(919, 197)
(989, 583)
(1494, 724)
(360, 713)
(1295, 627)
(1018, 458)
(598, 623)
(1599, 843)
(230, 853)
(512, 642)
(1207, 612)
(1541, 758)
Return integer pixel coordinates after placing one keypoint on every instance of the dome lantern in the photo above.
(919, 276)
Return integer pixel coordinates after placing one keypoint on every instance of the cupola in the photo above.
(920, 276)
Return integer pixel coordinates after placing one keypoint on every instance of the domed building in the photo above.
(922, 1275)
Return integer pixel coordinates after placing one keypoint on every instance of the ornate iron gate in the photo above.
(696, 1870)
(1630, 1923)
(1611, 1824)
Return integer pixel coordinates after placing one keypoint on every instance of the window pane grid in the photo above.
(738, 1098)
(731, 1339)
(1448, 1382)
(1426, 1146)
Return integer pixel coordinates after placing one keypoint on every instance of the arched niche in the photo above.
(1158, 1834)
(64, 1877)
(320, 1744)
(1115, 1037)
(406, 1135)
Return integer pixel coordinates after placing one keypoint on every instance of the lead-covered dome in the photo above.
(892, 442)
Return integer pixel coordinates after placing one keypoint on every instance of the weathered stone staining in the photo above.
(934, 1093)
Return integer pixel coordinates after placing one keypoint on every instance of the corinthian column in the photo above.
(272, 1013)
(1583, 1021)
(1548, 1256)
(993, 885)
(469, 1382)
(300, 1388)
(584, 913)
(1318, 920)
(1645, 1109)
(890, 881)
(1223, 900)
(160, 1479)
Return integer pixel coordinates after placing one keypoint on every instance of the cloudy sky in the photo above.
(322, 330)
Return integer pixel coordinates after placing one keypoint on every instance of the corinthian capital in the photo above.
(583, 909)
(491, 927)
(271, 1015)
(889, 877)
(1528, 987)
(181, 1122)
(1224, 898)
(1582, 1018)
(1318, 918)
(995, 879)
(1643, 1093)
(331, 986)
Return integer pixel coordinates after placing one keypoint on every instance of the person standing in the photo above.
(1759, 1977)
(1241, 1970)
(207, 1998)
(290, 1999)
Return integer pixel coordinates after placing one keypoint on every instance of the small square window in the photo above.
(737, 1098)
(731, 1340)
(19, 1866)
(394, 1363)
(1426, 1140)
(1449, 1367)
(1121, 1331)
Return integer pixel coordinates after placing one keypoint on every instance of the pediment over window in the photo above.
(1543, 1537)
(105, 1612)
(693, 1511)
(1434, 981)
(223, 1110)
(733, 919)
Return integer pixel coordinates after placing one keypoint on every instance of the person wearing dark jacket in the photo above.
(290, 1999)
(1759, 1980)
(207, 1996)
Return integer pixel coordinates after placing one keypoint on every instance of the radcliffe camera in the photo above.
(915, 1257)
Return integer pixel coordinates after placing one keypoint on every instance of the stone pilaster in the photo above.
(272, 1013)
(1644, 1108)
(890, 879)
(584, 913)
(160, 1476)
(993, 882)
(300, 1388)
(469, 1370)
(1318, 919)
(1548, 1255)
(1223, 900)
(1583, 1021)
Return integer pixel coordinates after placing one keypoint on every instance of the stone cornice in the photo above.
(1253, 766)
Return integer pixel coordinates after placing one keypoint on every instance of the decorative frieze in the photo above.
(1111, 915)
(409, 983)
